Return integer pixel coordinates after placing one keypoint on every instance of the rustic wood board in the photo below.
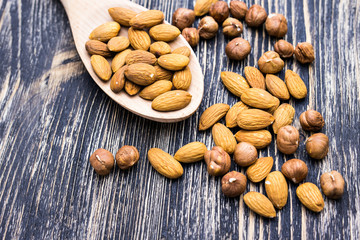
(53, 116)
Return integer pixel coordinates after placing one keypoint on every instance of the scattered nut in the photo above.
(238, 9)
(304, 52)
(102, 161)
(238, 49)
(311, 120)
(284, 48)
(233, 184)
(219, 11)
(287, 139)
(317, 146)
(332, 184)
(232, 27)
(183, 18)
(245, 154)
(191, 35)
(270, 62)
(218, 161)
(255, 16)
(208, 27)
(276, 25)
(126, 157)
(295, 170)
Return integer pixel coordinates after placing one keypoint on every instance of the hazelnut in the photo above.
(183, 18)
(255, 16)
(233, 184)
(270, 62)
(102, 161)
(232, 27)
(284, 48)
(126, 157)
(218, 161)
(287, 140)
(219, 11)
(208, 27)
(191, 35)
(245, 154)
(276, 25)
(304, 52)
(238, 49)
(295, 170)
(317, 145)
(238, 9)
(332, 184)
(311, 120)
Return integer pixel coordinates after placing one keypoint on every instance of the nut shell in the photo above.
(183, 18)
(245, 154)
(295, 170)
(287, 140)
(208, 27)
(238, 9)
(102, 161)
(218, 161)
(317, 146)
(126, 157)
(276, 25)
(232, 27)
(219, 11)
(312, 121)
(255, 16)
(284, 49)
(332, 184)
(238, 49)
(233, 184)
(304, 53)
(270, 62)
(191, 35)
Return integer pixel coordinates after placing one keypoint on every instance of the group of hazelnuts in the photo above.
(238, 48)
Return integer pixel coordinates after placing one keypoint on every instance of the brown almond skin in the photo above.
(277, 87)
(254, 119)
(101, 67)
(164, 163)
(157, 88)
(140, 56)
(208, 27)
(171, 101)
(95, 47)
(182, 79)
(257, 98)
(312, 121)
(277, 189)
(147, 19)
(139, 39)
(234, 82)
(233, 184)
(202, 7)
(260, 204)
(184, 50)
(141, 73)
(232, 27)
(310, 196)
(295, 170)
(160, 48)
(163, 74)
(117, 81)
(287, 139)
(233, 112)
(219, 11)
(245, 154)
(304, 53)
(284, 49)
(183, 18)
(131, 88)
(102, 161)
(332, 184)
(192, 36)
(223, 137)
(283, 115)
(122, 15)
(126, 157)
(105, 31)
(218, 161)
(276, 25)
(118, 44)
(255, 16)
(238, 49)
(270, 62)
(164, 32)
(260, 169)
(238, 9)
(173, 62)
(317, 145)
(295, 85)
(254, 77)
(212, 115)
(119, 60)
(259, 138)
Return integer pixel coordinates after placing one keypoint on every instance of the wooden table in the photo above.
(53, 116)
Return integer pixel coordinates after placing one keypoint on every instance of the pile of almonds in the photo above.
(139, 65)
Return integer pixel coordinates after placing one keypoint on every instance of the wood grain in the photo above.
(53, 116)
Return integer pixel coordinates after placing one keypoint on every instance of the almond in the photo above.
(295, 84)
(254, 77)
(157, 88)
(164, 163)
(212, 115)
(160, 48)
(119, 60)
(277, 189)
(163, 74)
(277, 87)
(310, 196)
(101, 67)
(118, 44)
(147, 19)
(183, 51)
(284, 115)
(139, 39)
(259, 138)
(257, 98)
(173, 62)
(164, 32)
(191, 152)
(260, 169)
(105, 31)
(232, 114)
(202, 7)
(182, 79)
(131, 88)
(234, 82)
(141, 73)
(224, 138)
(254, 119)
(275, 106)
(140, 56)
(122, 15)
(260, 204)
(95, 47)
(117, 81)
(171, 101)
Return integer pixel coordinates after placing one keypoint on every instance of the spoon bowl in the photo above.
(84, 16)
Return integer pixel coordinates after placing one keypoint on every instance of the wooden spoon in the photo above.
(84, 16)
